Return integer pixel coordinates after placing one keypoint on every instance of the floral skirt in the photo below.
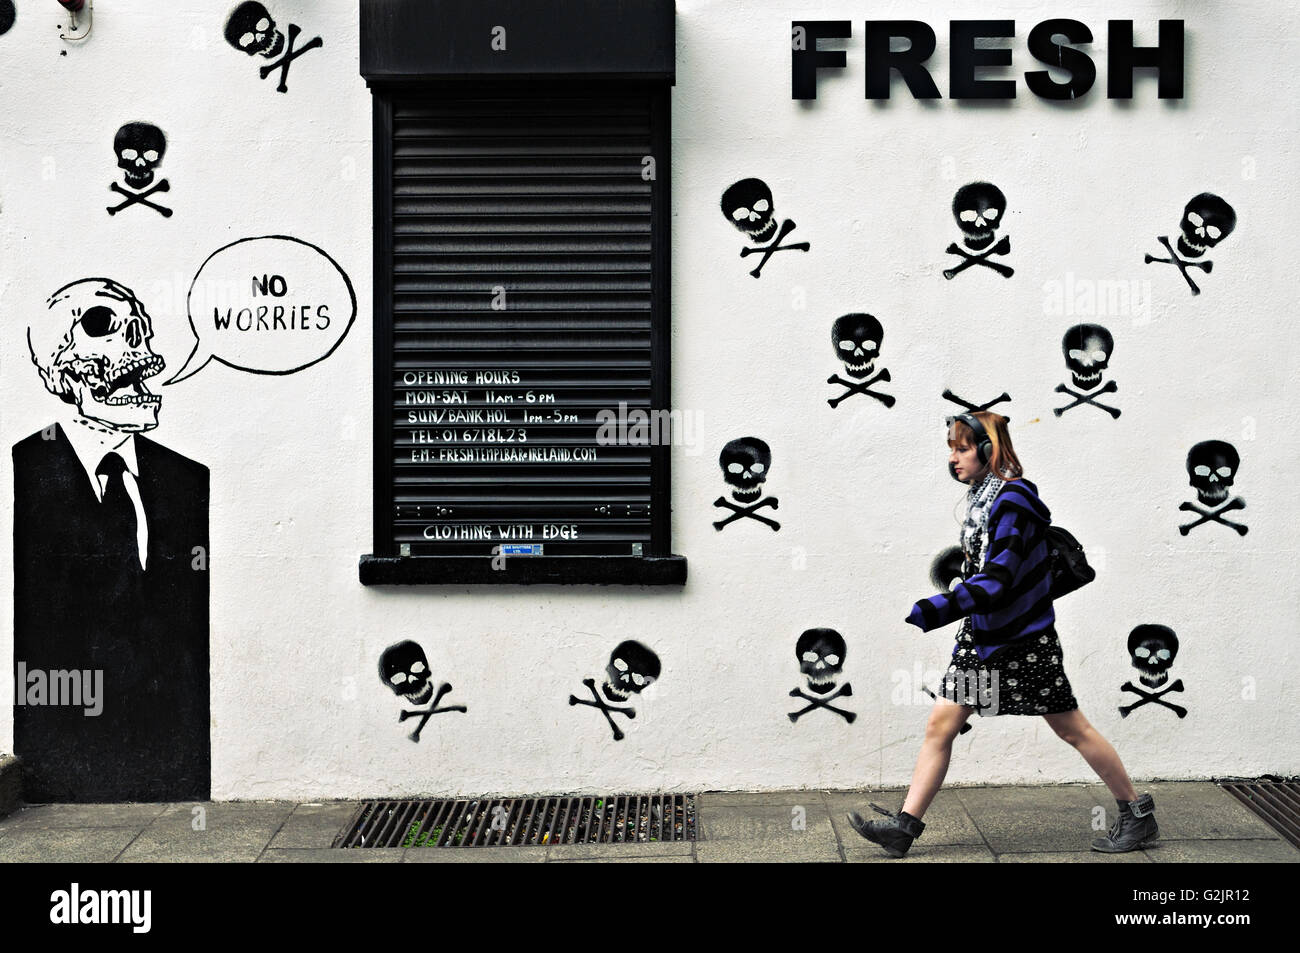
(1026, 677)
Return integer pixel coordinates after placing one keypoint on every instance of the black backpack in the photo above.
(1068, 564)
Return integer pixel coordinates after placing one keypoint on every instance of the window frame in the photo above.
(385, 565)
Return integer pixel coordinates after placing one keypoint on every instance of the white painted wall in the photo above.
(297, 707)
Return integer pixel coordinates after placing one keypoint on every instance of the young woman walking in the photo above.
(1008, 658)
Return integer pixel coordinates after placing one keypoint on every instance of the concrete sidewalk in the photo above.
(1054, 823)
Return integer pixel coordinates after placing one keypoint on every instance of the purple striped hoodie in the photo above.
(1010, 597)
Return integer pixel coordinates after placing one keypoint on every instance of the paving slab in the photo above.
(932, 854)
(1190, 810)
(315, 825)
(612, 851)
(64, 846)
(81, 816)
(676, 859)
(788, 850)
(246, 816)
(764, 821)
(1199, 822)
(1073, 857)
(946, 820)
(747, 798)
(324, 855)
(1217, 851)
(476, 855)
(1048, 818)
(230, 832)
(154, 849)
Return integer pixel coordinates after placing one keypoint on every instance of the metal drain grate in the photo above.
(1277, 802)
(510, 822)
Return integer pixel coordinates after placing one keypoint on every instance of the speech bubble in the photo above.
(268, 305)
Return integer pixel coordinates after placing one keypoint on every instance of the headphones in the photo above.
(983, 443)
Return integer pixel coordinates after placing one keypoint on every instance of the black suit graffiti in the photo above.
(6, 16)
(110, 566)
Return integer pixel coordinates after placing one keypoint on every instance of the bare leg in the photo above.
(946, 719)
(1078, 732)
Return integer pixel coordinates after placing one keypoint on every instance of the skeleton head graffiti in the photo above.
(1212, 467)
(1207, 220)
(631, 668)
(92, 350)
(1087, 349)
(748, 205)
(978, 208)
(139, 147)
(821, 658)
(745, 463)
(946, 570)
(857, 339)
(1153, 649)
(251, 28)
(405, 669)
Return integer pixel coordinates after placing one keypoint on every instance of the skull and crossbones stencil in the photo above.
(746, 462)
(971, 408)
(632, 668)
(821, 661)
(1152, 649)
(405, 669)
(94, 352)
(948, 568)
(1087, 349)
(252, 30)
(139, 147)
(1207, 220)
(964, 728)
(979, 208)
(857, 339)
(1211, 470)
(748, 205)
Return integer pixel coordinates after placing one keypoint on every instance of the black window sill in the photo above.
(523, 570)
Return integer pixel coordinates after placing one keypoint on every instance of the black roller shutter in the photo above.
(521, 307)
(522, 226)
(527, 291)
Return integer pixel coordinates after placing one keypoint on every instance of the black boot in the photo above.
(895, 835)
(1135, 827)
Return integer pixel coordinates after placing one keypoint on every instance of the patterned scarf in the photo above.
(975, 529)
